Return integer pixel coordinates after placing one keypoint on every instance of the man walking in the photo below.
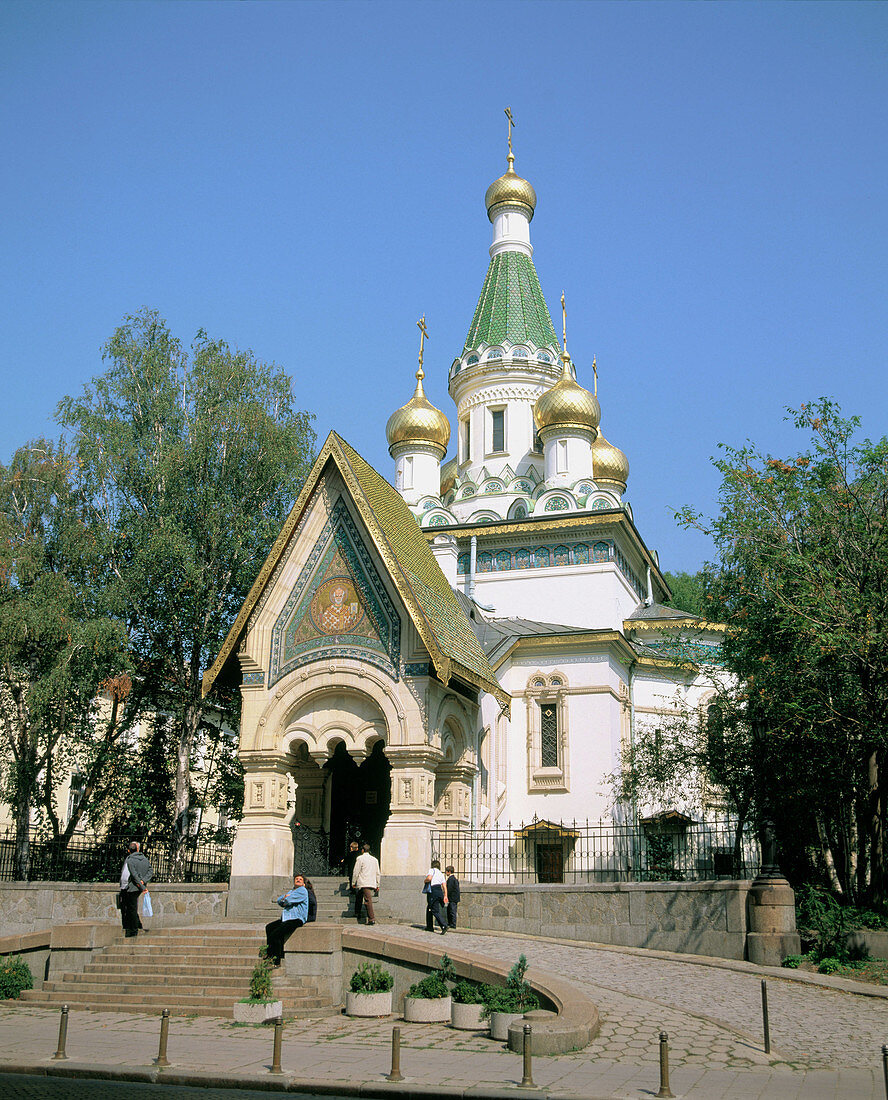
(134, 878)
(365, 880)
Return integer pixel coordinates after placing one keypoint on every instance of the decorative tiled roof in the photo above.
(400, 542)
(511, 306)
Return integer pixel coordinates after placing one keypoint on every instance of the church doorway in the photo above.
(360, 800)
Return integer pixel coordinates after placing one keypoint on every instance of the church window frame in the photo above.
(497, 427)
(548, 742)
(465, 438)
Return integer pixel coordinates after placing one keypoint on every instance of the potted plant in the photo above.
(509, 1002)
(370, 991)
(428, 1000)
(259, 1007)
(468, 1001)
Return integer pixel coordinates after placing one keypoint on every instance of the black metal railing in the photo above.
(582, 851)
(90, 858)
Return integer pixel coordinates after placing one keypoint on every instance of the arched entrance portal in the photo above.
(341, 779)
(360, 798)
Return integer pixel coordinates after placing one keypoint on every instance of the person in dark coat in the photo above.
(135, 875)
(312, 901)
(452, 896)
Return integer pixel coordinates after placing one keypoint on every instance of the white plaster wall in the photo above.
(423, 479)
(578, 463)
(594, 597)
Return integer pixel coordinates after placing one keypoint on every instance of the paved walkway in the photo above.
(826, 1040)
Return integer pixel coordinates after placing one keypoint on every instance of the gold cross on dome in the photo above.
(595, 373)
(511, 124)
(563, 323)
(423, 336)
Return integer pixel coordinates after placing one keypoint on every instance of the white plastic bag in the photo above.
(147, 909)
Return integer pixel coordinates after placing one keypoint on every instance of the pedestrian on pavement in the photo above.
(436, 899)
(135, 875)
(348, 866)
(295, 912)
(365, 880)
(452, 885)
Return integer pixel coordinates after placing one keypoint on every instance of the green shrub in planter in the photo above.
(471, 993)
(15, 975)
(260, 983)
(371, 978)
(516, 995)
(430, 988)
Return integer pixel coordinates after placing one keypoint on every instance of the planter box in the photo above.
(260, 1013)
(499, 1024)
(418, 1010)
(368, 1004)
(467, 1017)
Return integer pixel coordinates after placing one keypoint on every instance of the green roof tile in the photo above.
(511, 306)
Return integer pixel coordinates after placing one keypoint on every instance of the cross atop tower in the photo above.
(511, 124)
(423, 336)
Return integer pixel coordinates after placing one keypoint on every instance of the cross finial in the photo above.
(511, 124)
(423, 336)
(595, 373)
(563, 324)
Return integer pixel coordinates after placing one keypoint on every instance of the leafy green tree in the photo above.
(59, 646)
(193, 461)
(689, 593)
(802, 584)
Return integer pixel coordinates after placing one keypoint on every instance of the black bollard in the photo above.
(665, 1090)
(766, 1026)
(885, 1067)
(527, 1079)
(63, 1035)
(161, 1060)
(278, 1036)
(396, 1074)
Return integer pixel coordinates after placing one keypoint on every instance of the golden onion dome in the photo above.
(418, 422)
(609, 463)
(567, 405)
(510, 189)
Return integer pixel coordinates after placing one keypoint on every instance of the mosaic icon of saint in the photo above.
(336, 608)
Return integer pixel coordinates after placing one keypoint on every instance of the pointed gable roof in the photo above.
(398, 539)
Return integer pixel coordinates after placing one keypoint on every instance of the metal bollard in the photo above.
(63, 1035)
(766, 1027)
(527, 1079)
(396, 1074)
(885, 1067)
(161, 1059)
(278, 1036)
(664, 1066)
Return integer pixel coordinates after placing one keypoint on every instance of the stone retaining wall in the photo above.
(31, 906)
(698, 918)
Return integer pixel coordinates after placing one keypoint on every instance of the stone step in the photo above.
(119, 971)
(135, 1000)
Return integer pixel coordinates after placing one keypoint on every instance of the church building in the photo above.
(473, 644)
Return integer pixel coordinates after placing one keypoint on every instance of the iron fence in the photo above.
(659, 850)
(88, 858)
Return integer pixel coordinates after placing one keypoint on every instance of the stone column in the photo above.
(407, 840)
(772, 919)
(262, 857)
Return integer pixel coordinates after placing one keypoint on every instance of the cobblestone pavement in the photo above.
(826, 1043)
(712, 1015)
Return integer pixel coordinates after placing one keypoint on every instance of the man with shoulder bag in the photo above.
(134, 879)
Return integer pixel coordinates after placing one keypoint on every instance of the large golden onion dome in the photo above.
(609, 463)
(511, 190)
(448, 476)
(567, 405)
(418, 422)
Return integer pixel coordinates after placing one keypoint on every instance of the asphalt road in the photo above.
(14, 1086)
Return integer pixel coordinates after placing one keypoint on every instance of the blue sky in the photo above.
(306, 179)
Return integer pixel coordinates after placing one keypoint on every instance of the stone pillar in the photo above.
(262, 857)
(772, 922)
(407, 840)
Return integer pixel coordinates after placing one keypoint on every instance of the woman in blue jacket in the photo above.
(295, 913)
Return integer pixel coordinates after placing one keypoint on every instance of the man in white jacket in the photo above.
(365, 880)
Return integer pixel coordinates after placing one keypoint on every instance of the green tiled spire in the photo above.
(511, 306)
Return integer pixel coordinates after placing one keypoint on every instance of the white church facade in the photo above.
(474, 645)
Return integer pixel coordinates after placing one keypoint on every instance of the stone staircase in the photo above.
(191, 971)
(335, 904)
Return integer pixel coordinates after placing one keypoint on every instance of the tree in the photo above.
(59, 646)
(193, 462)
(802, 583)
(689, 593)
